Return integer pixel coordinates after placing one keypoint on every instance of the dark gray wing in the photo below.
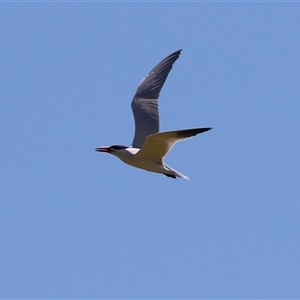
(145, 101)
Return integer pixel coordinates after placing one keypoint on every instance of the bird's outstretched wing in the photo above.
(157, 145)
(145, 101)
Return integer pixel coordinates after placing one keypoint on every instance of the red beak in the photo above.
(104, 149)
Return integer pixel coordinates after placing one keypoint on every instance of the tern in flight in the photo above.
(149, 146)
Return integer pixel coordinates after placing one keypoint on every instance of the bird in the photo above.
(149, 146)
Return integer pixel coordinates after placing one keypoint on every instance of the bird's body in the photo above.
(128, 156)
(149, 146)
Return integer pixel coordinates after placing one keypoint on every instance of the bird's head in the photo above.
(117, 150)
(122, 152)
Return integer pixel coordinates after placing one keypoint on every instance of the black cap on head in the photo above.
(118, 147)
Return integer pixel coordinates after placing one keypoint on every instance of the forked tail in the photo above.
(173, 173)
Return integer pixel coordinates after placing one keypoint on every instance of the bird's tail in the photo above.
(173, 173)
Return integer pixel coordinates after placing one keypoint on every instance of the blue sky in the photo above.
(80, 224)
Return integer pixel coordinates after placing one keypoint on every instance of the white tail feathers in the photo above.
(175, 173)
